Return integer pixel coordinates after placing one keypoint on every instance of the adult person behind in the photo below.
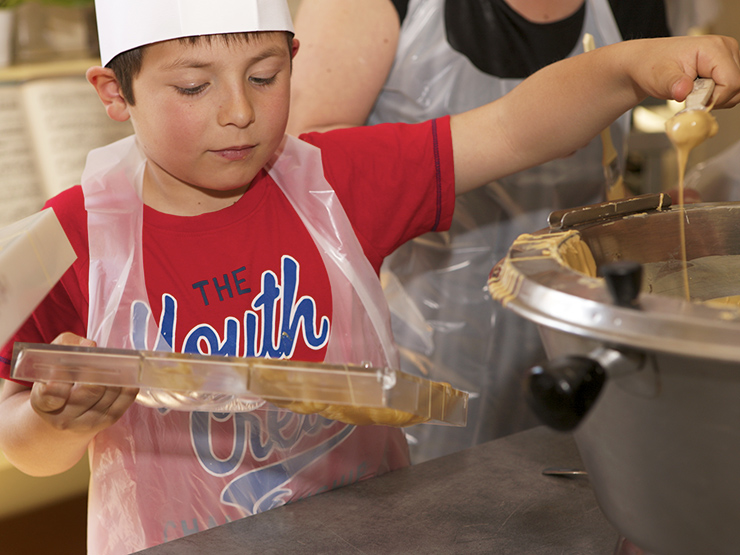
(686, 17)
(374, 61)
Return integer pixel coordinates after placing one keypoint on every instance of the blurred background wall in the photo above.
(727, 23)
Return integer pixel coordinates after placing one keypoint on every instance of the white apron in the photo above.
(146, 461)
(444, 321)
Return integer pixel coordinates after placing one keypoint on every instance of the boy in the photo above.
(236, 240)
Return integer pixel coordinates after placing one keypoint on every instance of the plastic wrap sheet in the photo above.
(447, 326)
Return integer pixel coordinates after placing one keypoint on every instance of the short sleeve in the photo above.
(395, 181)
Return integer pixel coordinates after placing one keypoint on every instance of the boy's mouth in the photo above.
(235, 152)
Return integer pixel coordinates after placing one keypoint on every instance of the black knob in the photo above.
(563, 390)
(624, 280)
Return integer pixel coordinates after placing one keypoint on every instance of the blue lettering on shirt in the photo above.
(203, 285)
(244, 425)
(205, 340)
(278, 320)
(264, 487)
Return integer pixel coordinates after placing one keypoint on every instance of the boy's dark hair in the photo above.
(127, 65)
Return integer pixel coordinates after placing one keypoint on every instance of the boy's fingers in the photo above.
(725, 70)
(130, 392)
(68, 338)
(714, 57)
(681, 88)
(114, 397)
(50, 397)
(124, 398)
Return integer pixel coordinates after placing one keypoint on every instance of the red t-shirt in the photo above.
(395, 182)
(232, 282)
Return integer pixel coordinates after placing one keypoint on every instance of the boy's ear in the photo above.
(109, 91)
(294, 51)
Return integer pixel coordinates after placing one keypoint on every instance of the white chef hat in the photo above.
(127, 24)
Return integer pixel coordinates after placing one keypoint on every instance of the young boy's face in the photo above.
(210, 115)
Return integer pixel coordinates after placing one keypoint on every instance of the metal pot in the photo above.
(648, 381)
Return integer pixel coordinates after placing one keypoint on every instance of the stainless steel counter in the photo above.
(489, 499)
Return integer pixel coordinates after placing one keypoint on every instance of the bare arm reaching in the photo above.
(563, 106)
(351, 76)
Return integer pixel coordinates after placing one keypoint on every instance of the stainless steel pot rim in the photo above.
(535, 283)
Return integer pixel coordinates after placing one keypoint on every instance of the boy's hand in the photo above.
(563, 106)
(79, 407)
(666, 68)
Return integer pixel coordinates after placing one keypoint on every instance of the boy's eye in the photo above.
(263, 80)
(190, 91)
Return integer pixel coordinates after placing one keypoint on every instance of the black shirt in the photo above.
(502, 43)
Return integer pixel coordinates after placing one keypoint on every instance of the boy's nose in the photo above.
(236, 109)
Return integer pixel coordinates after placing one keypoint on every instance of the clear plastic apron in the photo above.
(444, 321)
(133, 470)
